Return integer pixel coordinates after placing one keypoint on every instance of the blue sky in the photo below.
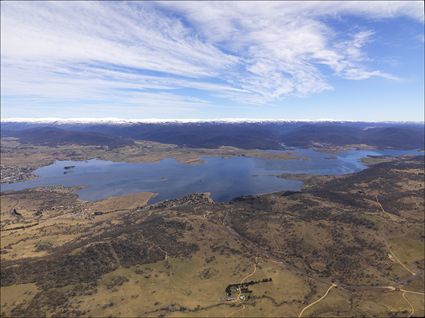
(212, 60)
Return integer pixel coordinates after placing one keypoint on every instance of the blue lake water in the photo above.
(225, 178)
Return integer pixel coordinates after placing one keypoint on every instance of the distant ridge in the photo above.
(112, 120)
(53, 136)
(242, 133)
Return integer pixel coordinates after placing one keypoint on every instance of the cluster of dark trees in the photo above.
(244, 286)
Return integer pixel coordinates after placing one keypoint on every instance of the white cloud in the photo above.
(130, 52)
(108, 33)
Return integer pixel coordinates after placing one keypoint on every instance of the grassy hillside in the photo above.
(362, 232)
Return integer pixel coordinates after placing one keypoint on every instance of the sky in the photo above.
(209, 60)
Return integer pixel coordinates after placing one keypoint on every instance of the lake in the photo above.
(225, 178)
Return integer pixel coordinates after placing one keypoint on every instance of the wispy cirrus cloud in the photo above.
(144, 53)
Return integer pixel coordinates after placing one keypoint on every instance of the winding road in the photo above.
(412, 309)
(253, 272)
(239, 289)
(317, 301)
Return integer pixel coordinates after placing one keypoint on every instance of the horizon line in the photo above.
(114, 120)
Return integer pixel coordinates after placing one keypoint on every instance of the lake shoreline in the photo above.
(225, 177)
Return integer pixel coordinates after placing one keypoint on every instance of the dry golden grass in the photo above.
(12, 296)
(227, 251)
(59, 223)
(124, 202)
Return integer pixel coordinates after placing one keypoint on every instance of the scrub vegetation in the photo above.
(343, 246)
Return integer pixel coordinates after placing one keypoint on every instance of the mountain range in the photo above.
(246, 135)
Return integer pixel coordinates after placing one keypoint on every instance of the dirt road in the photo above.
(317, 301)
(412, 309)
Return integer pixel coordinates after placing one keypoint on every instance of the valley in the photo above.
(362, 232)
